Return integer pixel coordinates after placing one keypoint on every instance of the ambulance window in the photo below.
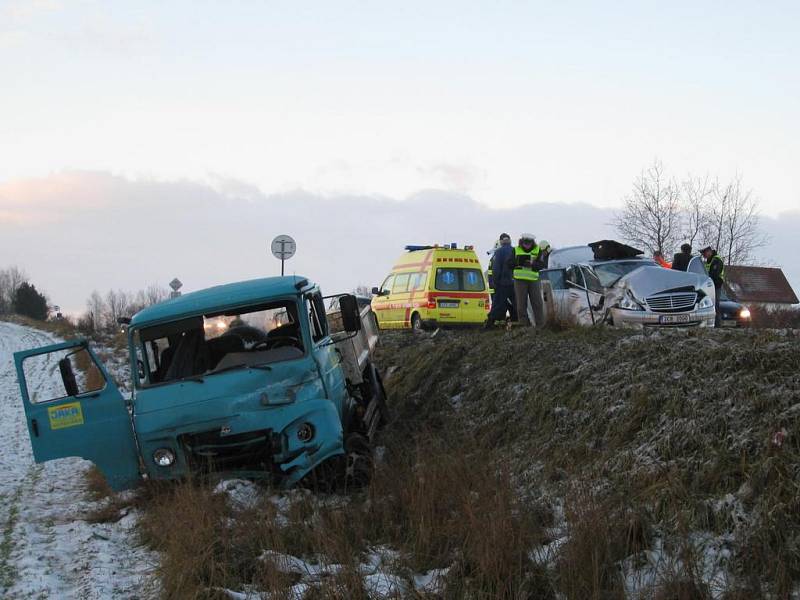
(472, 280)
(417, 281)
(447, 280)
(387, 285)
(401, 283)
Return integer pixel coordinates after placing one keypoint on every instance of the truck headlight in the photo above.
(628, 302)
(305, 433)
(705, 302)
(744, 313)
(164, 457)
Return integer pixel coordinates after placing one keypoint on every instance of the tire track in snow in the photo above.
(47, 550)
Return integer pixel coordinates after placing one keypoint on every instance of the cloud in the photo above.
(79, 231)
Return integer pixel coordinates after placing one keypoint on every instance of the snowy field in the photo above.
(47, 549)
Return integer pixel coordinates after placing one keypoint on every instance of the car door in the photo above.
(73, 408)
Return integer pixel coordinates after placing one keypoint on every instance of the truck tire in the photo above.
(358, 469)
(416, 323)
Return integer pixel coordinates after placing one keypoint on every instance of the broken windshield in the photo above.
(251, 336)
(610, 273)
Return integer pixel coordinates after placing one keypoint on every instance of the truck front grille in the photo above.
(672, 302)
(212, 451)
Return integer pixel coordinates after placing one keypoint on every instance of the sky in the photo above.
(509, 107)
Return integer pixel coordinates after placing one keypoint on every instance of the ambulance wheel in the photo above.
(416, 322)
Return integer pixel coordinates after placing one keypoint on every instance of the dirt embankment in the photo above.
(670, 461)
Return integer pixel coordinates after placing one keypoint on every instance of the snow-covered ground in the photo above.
(47, 549)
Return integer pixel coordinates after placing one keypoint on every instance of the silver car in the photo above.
(625, 290)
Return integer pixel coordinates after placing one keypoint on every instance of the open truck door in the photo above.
(73, 408)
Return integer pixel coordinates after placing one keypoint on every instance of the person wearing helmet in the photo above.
(526, 280)
(502, 282)
(544, 254)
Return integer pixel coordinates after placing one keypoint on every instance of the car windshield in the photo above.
(610, 273)
(220, 341)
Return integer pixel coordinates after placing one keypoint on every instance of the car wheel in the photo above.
(416, 322)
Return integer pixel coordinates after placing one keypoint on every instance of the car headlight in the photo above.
(706, 302)
(628, 302)
(164, 457)
(744, 313)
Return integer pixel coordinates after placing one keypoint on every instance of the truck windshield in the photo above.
(610, 273)
(203, 345)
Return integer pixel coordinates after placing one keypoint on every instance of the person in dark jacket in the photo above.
(680, 262)
(715, 268)
(503, 280)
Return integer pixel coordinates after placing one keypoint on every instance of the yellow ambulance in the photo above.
(432, 286)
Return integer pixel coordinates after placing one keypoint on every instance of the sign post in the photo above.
(283, 248)
(176, 285)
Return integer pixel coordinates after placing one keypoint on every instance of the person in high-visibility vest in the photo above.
(526, 280)
(715, 267)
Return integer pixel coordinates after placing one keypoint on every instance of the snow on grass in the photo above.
(47, 548)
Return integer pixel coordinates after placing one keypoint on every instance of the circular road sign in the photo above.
(283, 247)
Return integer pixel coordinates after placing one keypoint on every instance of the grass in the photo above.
(610, 443)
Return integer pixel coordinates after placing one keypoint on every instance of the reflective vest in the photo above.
(490, 275)
(525, 273)
(719, 258)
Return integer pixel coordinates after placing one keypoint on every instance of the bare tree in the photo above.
(651, 217)
(118, 304)
(697, 194)
(95, 311)
(732, 226)
(155, 294)
(10, 280)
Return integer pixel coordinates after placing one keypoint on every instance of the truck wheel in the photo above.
(416, 322)
(358, 469)
(379, 393)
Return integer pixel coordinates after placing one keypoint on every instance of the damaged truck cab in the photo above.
(244, 378)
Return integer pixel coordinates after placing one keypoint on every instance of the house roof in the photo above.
(212, 299)
(759, 284)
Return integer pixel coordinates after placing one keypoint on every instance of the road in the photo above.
(47, 549)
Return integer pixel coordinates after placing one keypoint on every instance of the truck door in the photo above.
(326, 355)
(73, 408)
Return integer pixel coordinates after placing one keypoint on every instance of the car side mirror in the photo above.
(376, 291)
(68, 377)
(351, 315)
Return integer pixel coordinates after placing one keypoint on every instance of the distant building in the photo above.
(765, 287)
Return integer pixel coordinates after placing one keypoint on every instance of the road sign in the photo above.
(175, 284)
(283, 248)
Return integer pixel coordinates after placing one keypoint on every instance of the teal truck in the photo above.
(265, 379)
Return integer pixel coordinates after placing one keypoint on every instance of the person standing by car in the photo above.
(503, 282)
(715, 268)
(544, 254)
(680, 262)
(526, 280)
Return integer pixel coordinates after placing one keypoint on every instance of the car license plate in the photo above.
(448, 304)
(673, 319)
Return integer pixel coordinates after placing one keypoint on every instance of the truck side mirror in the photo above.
(351, 317)
(68, 377)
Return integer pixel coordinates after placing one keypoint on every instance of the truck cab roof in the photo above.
(211, 299)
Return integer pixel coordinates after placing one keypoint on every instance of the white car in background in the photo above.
(610, 282)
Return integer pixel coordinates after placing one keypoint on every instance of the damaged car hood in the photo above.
(646, 281)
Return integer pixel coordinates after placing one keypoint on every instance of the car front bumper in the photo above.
(703, 317)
